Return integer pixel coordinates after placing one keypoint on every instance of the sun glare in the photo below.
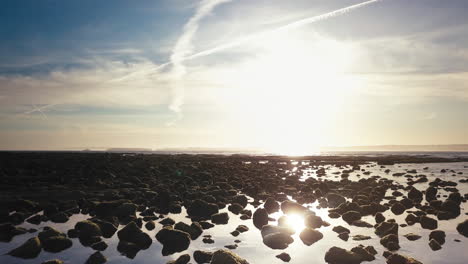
(295, 222)
(289, 92)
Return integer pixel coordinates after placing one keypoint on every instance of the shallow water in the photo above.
(252, 247)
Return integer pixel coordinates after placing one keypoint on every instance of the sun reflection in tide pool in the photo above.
(295, 222)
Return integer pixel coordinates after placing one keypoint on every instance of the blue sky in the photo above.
(84, 74)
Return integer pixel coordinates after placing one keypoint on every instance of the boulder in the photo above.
(96, 258)
(438, 235)
(220, 219)
(334, 200)
(271, 205)
(194, 230)
(183, 259)
(200, 208)
(412, 237)
(87, 229)
(131, 233)
(309, 236)
(284, 257)
(434, 245)
(398, 208)
(290, 207)
(400, 259)
(28, 250)
(351, 216)
(202, 256)
(223, 256)
(462, 228)
(336, 255)
(173, 240)
(260, 218)
(53, 261)
(428, 223)
(390, 241)
(313, 221)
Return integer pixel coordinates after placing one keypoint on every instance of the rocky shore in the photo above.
(124, 196)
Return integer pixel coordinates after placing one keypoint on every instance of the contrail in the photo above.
(255, 36)
(286, 27)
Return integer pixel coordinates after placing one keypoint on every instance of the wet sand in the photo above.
(118, 189)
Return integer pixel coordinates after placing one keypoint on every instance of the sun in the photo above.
(289, 90)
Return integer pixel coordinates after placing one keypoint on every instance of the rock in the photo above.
(309, 236)
(412, 237)
(290, 207)
(344, 236)
(242, 228)
(53, 240)
(351, 216)
(220, 219)
(206, 225)
(361, 223)
(431, 194)
(379, 218)
(35, 220)
(53, 261)
(411, 219)
(415, 195)
(28, 250)
(340, 229)
(167, 221)
(8, 231)
(194, 230)
(400, 259)
(365, 253)
(428, 223)
(398, 208)
(131, 233)
(128, 249)
(202, 256)
(107, 228)
(150, 225)
(60, 217)
(201, 208)
(235, 208)
(96, 258)
(260, 218)
(284, 257)
(100, 246)
(390, 241)
(336, 255)
(183, 259)
(386, 228)
(223, 256)
(462, 228)
(313, 221)
(434, 245)
(277, 237)
(271, 205)
(87, 229)
(438, 235)
(334, 200)
(361, 237)
(173, 240)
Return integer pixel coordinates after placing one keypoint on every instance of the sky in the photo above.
(284, 76)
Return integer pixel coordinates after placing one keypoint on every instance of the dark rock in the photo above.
(242, 228)
(365, 253)
(202, 256)
(415, 195)
(341, 229)
(96, 258)
(53, 261)
(277, 237)
(398, 208)
(309, 236)
(223, 256)
(412, 237)
(434, 245)
(235, 208)
(128, 249)
(60, 217)
(260, 218)
(100, 246)
(28, 250)
(379, 218)
(351, 216)
(201, 208)
(290, 207)
(87, 229)
(313, 221)
(108, 229)
(206, 225)
(194, 230)
(462, 228)
(167, 221)
(394, 258)
(428, 223)
(150, 225)
(438, 235)
(390, 241)
(361, 237)
(8, 231)
(336, 255)
(344, 236)
(334, 200)
(271, 205)
(284, 257)
(173, 240)
(220, 219)
(386, 228)
(431, 194)
(131, 233)
(183, 259)
(53, 240)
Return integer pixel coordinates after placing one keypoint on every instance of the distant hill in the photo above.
(454, 147)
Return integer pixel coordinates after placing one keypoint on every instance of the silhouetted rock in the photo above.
(28, 250)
